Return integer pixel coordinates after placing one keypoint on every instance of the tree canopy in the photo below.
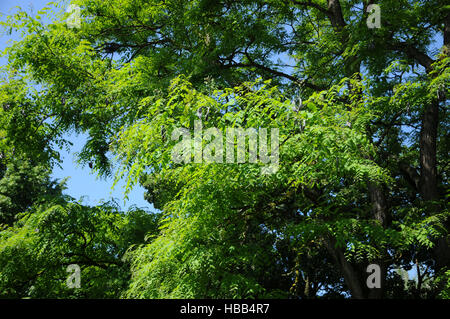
(363, 126)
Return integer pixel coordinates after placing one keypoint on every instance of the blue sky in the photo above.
(81, 183)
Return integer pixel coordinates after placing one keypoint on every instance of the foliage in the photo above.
(36, 251)
(363, 167)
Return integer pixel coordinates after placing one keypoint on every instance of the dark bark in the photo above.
(411, 176)
(429, 178)
(380, 212)
(336, 17)
(351, 276)
(333, 11)
(446, 48)
(413, 53)
(428, 162)
(379, 204)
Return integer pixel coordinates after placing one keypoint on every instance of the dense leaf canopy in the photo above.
(362, 116)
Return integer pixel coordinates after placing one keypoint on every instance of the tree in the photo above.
(35, 253)
(362, 176)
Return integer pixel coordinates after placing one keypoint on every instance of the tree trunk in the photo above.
(380, 213)
(350, 274)
(428, 138)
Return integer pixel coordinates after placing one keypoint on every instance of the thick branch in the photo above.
(350, 274)
(414, 53)
(312, 5)
(274, 72)
(446, 49)
(336, 17)
(411, 175)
